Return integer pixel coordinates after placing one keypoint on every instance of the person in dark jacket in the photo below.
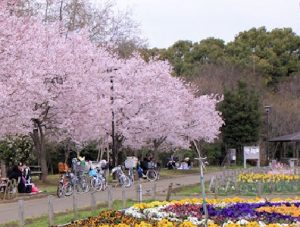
(17, 174)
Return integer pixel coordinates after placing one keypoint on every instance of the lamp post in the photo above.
(267, 111)
(114, 147)
(253, 60)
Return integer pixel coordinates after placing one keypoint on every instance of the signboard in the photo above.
(232, 153)
(251, 152)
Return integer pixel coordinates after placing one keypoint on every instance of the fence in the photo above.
(91, 200)
(220, 184)
(228, 184)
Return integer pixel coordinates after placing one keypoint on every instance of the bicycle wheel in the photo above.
(84, 183)
(151, 175)
(125, 181)
(96, 184)
(68, 189)
(104, 184)
(131, 176)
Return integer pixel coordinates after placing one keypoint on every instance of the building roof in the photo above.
(294, 137)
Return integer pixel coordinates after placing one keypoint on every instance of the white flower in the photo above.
(261, 224)
(196, 221)
(131, 211)
(242, 222)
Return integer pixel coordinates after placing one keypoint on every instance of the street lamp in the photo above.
(114, 147)
(267, 111)
(253, 59)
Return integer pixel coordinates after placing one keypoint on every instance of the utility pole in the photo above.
(267, 111)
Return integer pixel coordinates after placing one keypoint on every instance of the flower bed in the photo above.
(230, 212)
(263, 177)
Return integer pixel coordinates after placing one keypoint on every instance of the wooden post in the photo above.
(75, 205)
(169, 192)
(259, 189)
(154, 190)
(139, 192)
(211, 183)
(21, 213)
(272, 187)
(237, 187)
(50, 211)
(109, 197)
(227, 186)
(216, 189)
(93, 201)
(123, 198)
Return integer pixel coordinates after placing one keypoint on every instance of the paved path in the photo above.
(39, 207)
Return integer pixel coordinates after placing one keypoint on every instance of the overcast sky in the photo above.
(165, 21)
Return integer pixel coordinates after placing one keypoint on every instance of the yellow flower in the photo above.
(165, 223)
(283, 209)
(143, 224)
(187, 224)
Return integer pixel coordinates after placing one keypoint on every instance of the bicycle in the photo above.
(152, 173)
(122, 178)
(98, 181)
(65, 187)
(70, 181)
(131, 175)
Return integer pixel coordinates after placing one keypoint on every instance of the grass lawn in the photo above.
(166, 173)
(194, 190)
(63, 218)
(50, 186)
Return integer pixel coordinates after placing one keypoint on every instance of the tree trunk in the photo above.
(39, 145)
(100, 151)
(46, 10)
(67, 151)
(155, 151)
(202, 181)
(61, 10)
(43, 155)
(118, 144)
(3, 169)
(156, 144)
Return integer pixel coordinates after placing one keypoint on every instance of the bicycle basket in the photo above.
(151, 165)
(130, 162)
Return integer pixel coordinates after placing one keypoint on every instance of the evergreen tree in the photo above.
(242, 117)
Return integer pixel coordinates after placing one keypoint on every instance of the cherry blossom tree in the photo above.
(35, 71)
(149, 107)
(159, 118)
(59, 86)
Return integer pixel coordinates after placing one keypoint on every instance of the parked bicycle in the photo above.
(152, 173)
(65, 187)
(131, 164)
(122, 178)
(69, 182)
(98, 181)
(73, 180)
(131, 175)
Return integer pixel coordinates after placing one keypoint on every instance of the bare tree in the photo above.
(106, 25)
